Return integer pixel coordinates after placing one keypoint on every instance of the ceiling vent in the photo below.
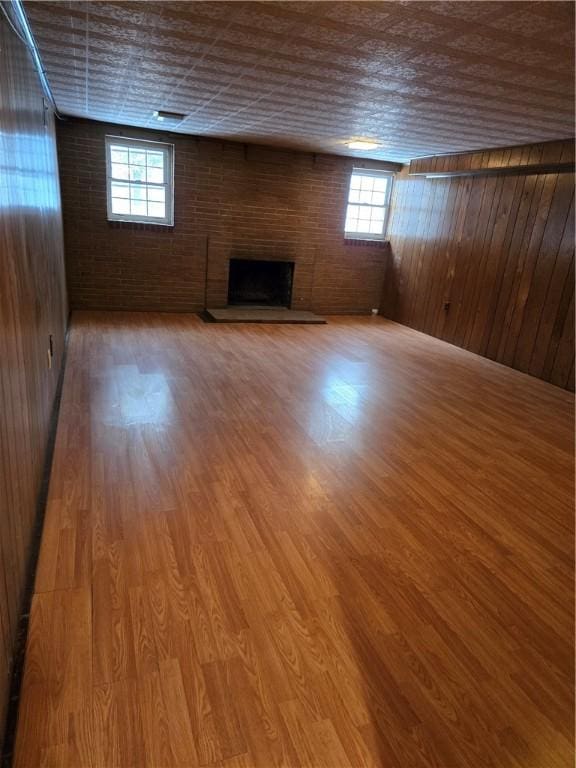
(169, 117)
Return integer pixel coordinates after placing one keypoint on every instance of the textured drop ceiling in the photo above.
(417, 77)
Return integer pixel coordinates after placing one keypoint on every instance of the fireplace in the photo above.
(252, 282)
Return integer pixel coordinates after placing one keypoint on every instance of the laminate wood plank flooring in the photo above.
(337, 545)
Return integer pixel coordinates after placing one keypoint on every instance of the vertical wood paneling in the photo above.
(497, 250)
(32, 307)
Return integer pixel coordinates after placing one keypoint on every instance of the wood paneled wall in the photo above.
(486, 261)
(32, 307)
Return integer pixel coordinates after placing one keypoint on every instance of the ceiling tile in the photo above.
(416, 77)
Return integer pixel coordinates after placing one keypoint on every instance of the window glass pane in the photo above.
(380, 184)
(138, 207)
(354, 196)
(157, 209)
(138, 193)
(137, 157)
(366, 196)
(155, 159)
(376, 227)
(120, 190)
(364, 213)
(353, 211)
(367, 183)
(120, 206)
(137, 173)
(377, 214)
(355, 181)
(157, 194)
(156, 175)
(120, 171)
(352, 223)
(118, 155)
(378, 198)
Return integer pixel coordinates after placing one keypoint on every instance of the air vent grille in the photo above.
(174, 117)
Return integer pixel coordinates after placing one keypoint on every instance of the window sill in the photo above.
(139, 225)
(365, 241)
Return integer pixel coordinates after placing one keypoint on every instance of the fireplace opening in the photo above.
(253, 283)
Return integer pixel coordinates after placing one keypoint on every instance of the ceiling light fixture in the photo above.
(366, 145)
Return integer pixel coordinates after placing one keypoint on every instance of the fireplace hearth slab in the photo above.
(251, 315)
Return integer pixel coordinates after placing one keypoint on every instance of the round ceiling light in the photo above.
(359, 144)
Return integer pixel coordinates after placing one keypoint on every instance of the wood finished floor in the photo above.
(340, 545)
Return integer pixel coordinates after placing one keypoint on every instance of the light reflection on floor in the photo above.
(133, 399)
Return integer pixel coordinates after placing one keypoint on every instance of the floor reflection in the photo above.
(129, 398)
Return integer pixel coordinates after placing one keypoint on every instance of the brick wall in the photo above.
(231, 200)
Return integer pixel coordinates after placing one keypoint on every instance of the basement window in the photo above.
(368, 204)
(139, 181)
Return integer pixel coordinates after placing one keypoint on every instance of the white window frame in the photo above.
(371, 172)
(167, 185)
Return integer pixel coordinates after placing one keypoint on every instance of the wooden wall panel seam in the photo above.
(549, 250)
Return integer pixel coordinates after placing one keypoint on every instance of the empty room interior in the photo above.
(287, 384)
